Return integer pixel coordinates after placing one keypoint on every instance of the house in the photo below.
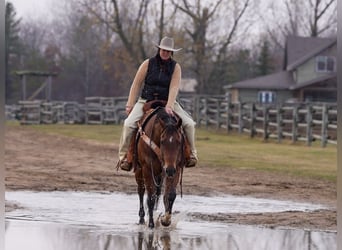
(309, 74)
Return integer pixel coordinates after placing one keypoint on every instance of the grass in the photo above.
(221, 149)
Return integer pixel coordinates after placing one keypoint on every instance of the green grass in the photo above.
(221, 149)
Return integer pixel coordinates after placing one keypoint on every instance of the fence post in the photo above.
(294, 123)
(266, 121)
(240, 108)
(206, 109)
(324, 129)
(218, 114)
(279, 123)
(309, 124)
(252, 122)
(197, 108)
(228, 110)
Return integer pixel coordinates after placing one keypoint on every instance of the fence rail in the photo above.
(306, 122)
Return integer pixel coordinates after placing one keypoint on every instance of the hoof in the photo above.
(165, 220)
(151, 225)
(165, 223)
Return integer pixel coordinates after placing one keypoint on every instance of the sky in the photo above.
(36, 8)
(32, 8)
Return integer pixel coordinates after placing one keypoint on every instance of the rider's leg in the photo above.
(189, 129)
(129, 127)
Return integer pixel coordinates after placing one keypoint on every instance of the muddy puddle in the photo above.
(92, 220)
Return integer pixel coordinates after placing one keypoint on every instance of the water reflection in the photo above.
(106, 221)
(30, 235)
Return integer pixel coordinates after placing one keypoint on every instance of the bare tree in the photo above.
(126, 19)
(323, 16)
(202, 18)
(303, 18)
(12, 46)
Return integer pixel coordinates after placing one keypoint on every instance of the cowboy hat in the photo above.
(167, 44)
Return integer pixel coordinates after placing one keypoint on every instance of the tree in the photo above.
(237, 66)
(323, 16)
(300, 18)
(264, 63)
(200, 17)
(131, 27)
(209, 50)
(79, 55)
(12, 46)
(128, 25)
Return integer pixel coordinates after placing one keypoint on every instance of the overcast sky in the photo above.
(32, 8)
(39, 8)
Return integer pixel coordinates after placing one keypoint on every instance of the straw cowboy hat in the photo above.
(167, 44)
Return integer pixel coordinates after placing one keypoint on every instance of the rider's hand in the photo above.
(128, 109)
(169, 110)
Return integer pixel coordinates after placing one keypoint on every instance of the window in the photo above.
(266, 97)
(325, 64)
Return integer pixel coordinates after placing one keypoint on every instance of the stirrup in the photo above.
(124, 165)
(191, 162)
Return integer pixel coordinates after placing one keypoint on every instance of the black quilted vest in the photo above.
(158, 78)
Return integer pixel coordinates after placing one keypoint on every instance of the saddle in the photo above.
(149, 109)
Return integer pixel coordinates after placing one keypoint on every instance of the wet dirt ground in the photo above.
(101, 220)
(42, 162)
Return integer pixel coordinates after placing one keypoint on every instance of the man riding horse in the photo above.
(159, 78)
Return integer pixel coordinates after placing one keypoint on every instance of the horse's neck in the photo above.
(148, 115)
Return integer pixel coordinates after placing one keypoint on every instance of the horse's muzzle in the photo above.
(170, 171)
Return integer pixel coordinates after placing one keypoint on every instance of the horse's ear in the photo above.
(162, 122)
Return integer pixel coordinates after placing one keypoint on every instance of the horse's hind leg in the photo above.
(151, 199)
(141, 192)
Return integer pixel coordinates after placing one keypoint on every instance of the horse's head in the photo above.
(171, 142)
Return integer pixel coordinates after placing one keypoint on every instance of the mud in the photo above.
(44, 162)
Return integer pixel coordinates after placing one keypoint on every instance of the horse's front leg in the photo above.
(159, 180)
(141, 191)
(169, 198)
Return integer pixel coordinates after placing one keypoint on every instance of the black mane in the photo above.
(166, 118)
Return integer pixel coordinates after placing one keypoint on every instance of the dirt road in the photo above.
(42, 162)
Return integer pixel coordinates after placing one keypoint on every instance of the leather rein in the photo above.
(146, 138)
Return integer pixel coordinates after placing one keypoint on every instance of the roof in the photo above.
(316, 80)
(299, 49)
(279, 80)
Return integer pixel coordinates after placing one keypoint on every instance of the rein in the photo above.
(149, 142)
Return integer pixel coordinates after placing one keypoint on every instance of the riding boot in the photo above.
(190, 134)
(125, 141)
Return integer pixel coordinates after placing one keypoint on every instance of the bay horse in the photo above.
(160, 147)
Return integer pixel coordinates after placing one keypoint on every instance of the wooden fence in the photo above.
(306, 122)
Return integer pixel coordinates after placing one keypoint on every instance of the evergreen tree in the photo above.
(235, 67)
(12, 45)
(264, 63)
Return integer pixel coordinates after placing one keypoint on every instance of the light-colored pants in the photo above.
(130, 124)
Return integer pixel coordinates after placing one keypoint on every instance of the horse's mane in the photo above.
(167, 119)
